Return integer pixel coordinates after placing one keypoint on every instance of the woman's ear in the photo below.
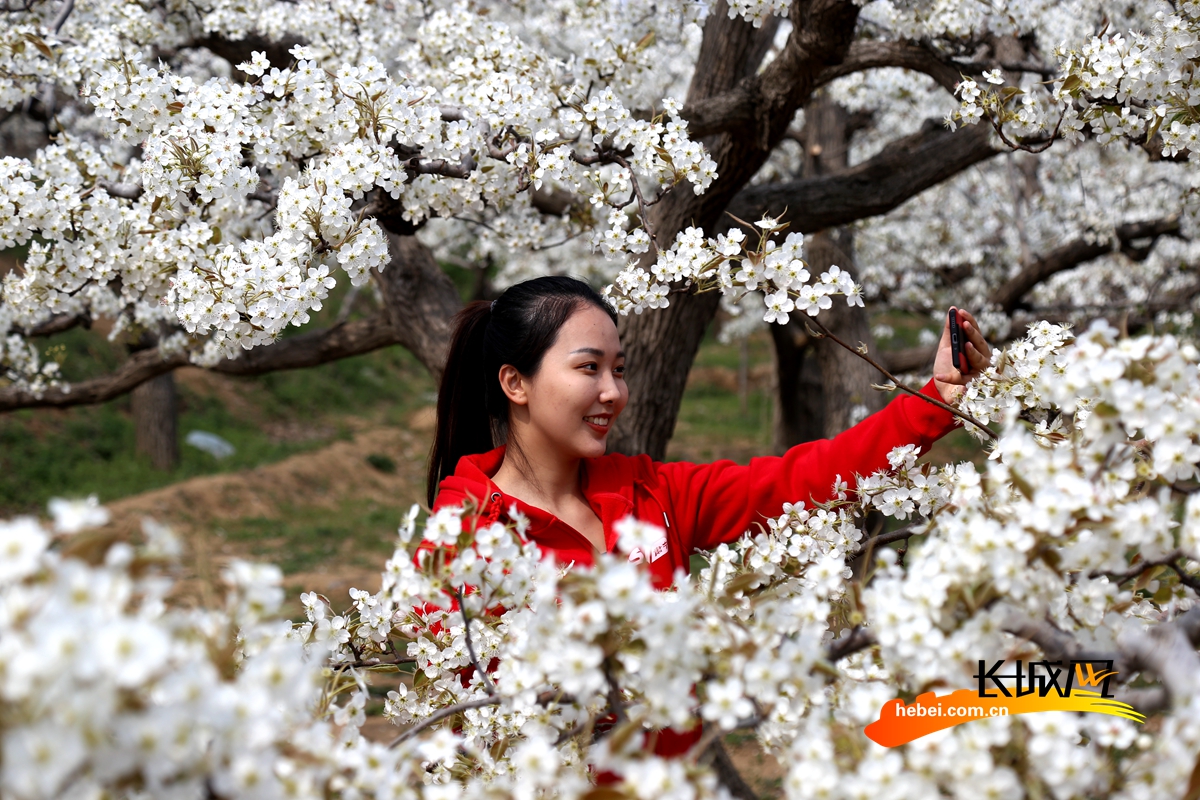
(513, 385)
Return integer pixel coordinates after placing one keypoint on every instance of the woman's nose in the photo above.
(609, 391)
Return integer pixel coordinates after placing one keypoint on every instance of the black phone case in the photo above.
(958, 350)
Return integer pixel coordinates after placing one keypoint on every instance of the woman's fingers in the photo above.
(956, 377)
(983, 351)
(976, 349)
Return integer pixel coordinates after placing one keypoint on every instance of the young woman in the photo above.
(542, 372)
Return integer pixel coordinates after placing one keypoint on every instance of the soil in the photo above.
(321, 479)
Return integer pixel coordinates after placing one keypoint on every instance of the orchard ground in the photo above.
(327, 461)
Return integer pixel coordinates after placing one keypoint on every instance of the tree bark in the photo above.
(847, 396)
(800, 411)
(903, 169)
(813, 409)
(156, 421)
(1072, 254)
(662, 345)
(420, 301)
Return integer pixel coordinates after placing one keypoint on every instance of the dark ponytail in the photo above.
(517, 328)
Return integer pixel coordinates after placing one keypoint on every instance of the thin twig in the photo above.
(372, 662)
(614, 694)
(582, 727)
(896, 382)
(858, 639)
(462, 609)
(637, 190)
(1168, 561)
(438, 716)
(886, 538)
(1018, 146)
(61, 19)
(711, 732)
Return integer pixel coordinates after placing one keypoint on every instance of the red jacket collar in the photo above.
(607, 485)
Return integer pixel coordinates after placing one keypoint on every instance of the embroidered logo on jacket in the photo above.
(658, 551)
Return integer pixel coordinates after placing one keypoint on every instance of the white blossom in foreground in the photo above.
(511, 676)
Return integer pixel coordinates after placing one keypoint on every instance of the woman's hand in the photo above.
(946, 375)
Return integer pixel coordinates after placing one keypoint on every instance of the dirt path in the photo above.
(320, 481)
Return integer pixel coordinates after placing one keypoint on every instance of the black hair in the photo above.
(517, 328)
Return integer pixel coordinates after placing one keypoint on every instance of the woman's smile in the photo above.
(599, 422)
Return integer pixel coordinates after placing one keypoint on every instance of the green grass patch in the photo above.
(90, 450)
(306, 539)
(85, 451)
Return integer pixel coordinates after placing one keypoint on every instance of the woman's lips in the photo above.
(598, 423)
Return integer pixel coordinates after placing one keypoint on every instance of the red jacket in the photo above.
(702, 505)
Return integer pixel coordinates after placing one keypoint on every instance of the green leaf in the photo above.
(41, 46)
(1152, 128)
(1163, 595)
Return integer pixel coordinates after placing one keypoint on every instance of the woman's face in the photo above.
(570, 404)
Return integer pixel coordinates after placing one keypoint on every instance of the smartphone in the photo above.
(958, 343)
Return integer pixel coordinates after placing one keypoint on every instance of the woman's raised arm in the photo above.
(715, 503)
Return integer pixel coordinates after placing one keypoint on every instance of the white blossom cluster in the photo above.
(1116, 87)
(513, 676)
(106, 689)
(214, 205)
(223, 208)
(735, 265)
(1047, 533)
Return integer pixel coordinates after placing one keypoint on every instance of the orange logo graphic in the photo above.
(1042, 686)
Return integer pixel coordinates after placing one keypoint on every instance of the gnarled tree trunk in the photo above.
(420, 302)
(156, 421)
(847, 396)
(812, 407)
(799, 413)
(661, 345)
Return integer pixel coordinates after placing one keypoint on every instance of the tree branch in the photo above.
(56, 324)
(420, 304)
(479, 670)
(142, 366)
(903, 169)
(1074, 253)
(1169, 561)
(871, 544)
(305, 350)
(858, 639)
(438, 716)
(727, 772)
(126, 191)
(866, 55)
(1167, 650)
(241, 50)
(61, 18)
